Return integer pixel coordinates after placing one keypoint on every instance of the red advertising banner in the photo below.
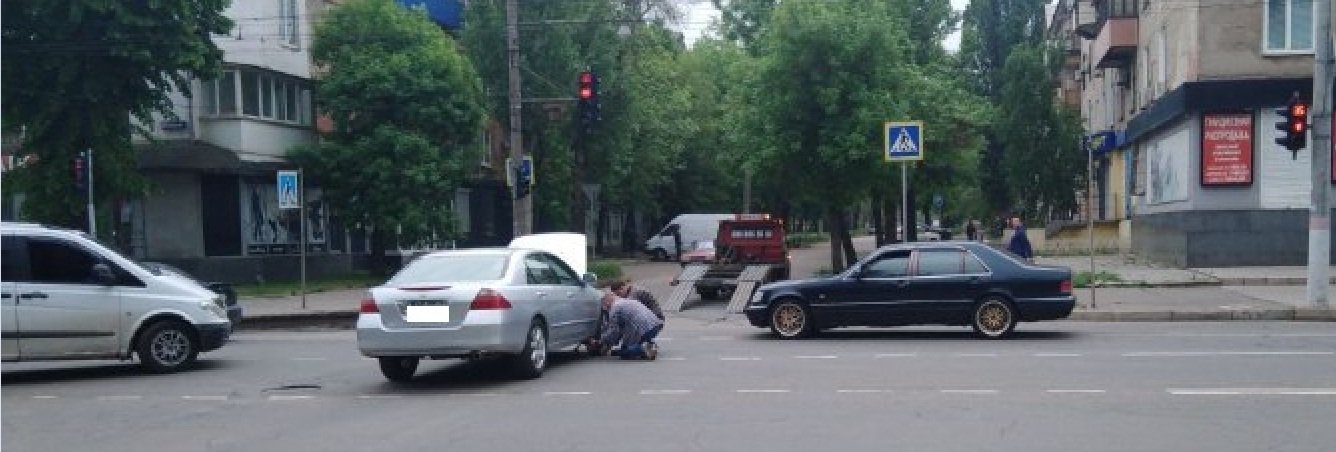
(1227, 149)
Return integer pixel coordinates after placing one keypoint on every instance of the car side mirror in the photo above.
(590, 278)
(103, 275)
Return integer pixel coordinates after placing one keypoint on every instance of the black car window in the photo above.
(894, 264)
(564, 275)
(973, 266)
(11, 262)
(940, 262)
(59, 262)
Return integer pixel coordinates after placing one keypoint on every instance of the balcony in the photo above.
(1116, 44)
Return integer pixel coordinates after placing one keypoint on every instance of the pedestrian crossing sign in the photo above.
(904, 141)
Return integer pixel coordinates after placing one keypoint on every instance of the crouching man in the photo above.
(631, 323)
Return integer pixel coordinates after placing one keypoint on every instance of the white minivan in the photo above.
(694, 227)
(65, 296)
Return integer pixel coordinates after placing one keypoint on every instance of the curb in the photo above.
(1157, 285)
(317, 319)
(1282, 281)
(1290, 314)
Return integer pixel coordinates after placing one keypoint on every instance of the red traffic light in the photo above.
(1299, 110)
(586, 85)
(586, 78)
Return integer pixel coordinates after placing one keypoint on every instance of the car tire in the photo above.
(790, 319)
(532, 360)
(994, 318)
(659, 254)
(399, 369)
(167, 346)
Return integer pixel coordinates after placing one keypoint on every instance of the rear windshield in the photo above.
(452, 268)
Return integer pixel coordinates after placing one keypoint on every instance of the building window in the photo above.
(1289, 25)
(227, 93)
(263, 95)
(267, 97)
(250, 93)
(288, 26)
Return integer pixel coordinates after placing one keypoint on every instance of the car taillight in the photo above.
(1065, 287)
(369, 307)
(489, 299)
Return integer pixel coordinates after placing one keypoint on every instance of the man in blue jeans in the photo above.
(635, 325)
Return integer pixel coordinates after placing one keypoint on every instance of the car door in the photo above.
(547, 295)
(13, 263)
(62, 311)
(573, 302)
(875, 296)
(941, 286)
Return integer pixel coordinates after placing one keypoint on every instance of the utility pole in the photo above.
(92, 210)
(523, 207)
(1319, 215)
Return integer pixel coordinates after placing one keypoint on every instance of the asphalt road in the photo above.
(1057, 386)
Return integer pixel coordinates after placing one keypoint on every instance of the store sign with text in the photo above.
(1227, 149)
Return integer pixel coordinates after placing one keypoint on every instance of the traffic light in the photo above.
(588, 100)
(80, 170)
(1294, 126)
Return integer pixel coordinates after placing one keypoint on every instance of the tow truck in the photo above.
(749, 251)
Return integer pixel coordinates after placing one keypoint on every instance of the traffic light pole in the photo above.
(523, 206)
(1319, 215)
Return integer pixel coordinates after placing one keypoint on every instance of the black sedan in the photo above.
(938, 283)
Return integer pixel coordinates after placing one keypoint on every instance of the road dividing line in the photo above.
(678, 358)
(897, 355)
(280, 398)
(378, 396)
(481, 394)
(45, 397)
(763, 391)
(120, 397)
(1076, 391)
(664, 391)
(969, 391)
(1182, 354)
(310, 359)
(1252, 391)
(561, 393)
(816, 357)
(1056, 355)
(211, 398)
(863, 391)
(976, 355)
(739, 358)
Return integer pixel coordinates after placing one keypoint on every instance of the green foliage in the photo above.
(803, 239)
(405, 105)
(1083, 279)
(606, 270)
(287, 288)
(1043, 159)
(76, 71)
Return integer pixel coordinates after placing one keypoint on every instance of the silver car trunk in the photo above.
(426, 305)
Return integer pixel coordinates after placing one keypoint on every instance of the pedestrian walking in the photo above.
(1020, 244)
(624, 289)
(971, 231)
(633, 325)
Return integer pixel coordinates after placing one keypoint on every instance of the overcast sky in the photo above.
(702, 12)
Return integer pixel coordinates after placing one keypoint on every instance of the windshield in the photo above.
(452, 268)
(705, 245)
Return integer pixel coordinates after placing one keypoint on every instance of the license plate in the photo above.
(428, 312)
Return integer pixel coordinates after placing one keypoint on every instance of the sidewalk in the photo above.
(1147, 293)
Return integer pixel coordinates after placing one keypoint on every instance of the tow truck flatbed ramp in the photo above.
(751, 277)
(683, 285)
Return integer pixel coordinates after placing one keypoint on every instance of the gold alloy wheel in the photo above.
(993, 317)
(789, 319)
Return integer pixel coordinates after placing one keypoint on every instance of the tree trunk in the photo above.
(601, 229)
(889, 222)
(911, 223)
(850, 255)
(836, 247)
(877, 219)
(379, 237)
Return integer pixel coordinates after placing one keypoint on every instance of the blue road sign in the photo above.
(288, 193)
(904, 141)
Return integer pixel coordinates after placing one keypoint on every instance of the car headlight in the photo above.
(215, 306)
(757, 297)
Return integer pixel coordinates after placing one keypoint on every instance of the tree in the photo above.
(743, 21)
(1044, 159)
(406, 106)
(76, 72)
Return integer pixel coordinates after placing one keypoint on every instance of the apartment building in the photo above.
(1182, 92)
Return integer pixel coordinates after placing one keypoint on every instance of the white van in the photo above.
(694, 227)
(65, 296)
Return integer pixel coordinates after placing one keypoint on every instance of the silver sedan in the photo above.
(515, 303)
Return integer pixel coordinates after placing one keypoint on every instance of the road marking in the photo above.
(739, 358)
(663, 339)
(309, 359)
(678, 358)
(482, 394)
(120, 397)
(897, 355)
(211, 398)
(560, 393)
(1253, 391)
(45, 397)
(1182, 354)
(969, 391)
(378, 396)
(1056, 355)
(863, 391)
(277, 398)
(1076, 391)
(664, 391)
(976, 355)
(816, 357)
(763, 391)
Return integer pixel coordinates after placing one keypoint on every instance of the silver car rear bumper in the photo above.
(481, 333)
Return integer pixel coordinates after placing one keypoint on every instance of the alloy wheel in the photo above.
(171, 347)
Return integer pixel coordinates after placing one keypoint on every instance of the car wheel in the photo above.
(533, 359)
(660, 254)
(167, 346)
(791, 320)
(708, 294)
(994, 318)
(399, 368)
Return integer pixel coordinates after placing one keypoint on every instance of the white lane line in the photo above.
(45, 397)
(664, 391)
(1056, 355)
(739, 358)
(1252, 391)
(976, 355)
(378, 396)
(1076, 391)
(211, 398)
(969, 391)
(310, 359)
(482, 394)
(663, 339)
(816, 357)
(561, 393)
(1181, 354)
(762, 391)
(279, 398)
(896, 355)
(863, 391)
(120, 397)
(676, 358)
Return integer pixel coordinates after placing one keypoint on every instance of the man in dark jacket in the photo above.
(1020, 244)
